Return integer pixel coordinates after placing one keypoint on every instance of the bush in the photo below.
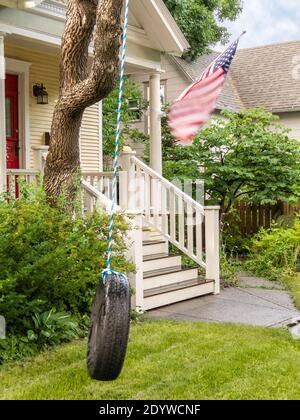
(46, 330)
(50, 260)
(51, 328)
(276, 252)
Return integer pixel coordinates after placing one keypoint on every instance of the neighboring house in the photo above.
(269, 77)
(29, 58)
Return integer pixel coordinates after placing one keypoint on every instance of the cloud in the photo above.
(266, 22)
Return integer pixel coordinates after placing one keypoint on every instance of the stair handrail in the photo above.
(95, 197)
(167, 183)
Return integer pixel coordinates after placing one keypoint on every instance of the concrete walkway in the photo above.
(255, 302)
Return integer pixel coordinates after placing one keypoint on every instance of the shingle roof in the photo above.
(269, 76)
(229, 98)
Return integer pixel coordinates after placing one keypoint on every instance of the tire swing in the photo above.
(110, 318)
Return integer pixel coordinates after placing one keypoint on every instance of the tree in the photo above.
(99, 20)
(248, 156)
(132, 94)
(201, 21)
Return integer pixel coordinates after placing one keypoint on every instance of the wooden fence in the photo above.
(255, 217)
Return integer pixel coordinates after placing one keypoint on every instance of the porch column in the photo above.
(155, 123)
(2, 117)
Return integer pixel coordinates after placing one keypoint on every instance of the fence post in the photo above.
(135, 254)
(212, 245)
(129, 175)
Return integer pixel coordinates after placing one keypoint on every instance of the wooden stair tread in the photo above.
(154, 242)
(175, 286)
(155, 257)
(163, 272)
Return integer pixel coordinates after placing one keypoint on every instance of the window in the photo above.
(135, 109)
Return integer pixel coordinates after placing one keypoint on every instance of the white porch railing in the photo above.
(15, 175)
(191, 227)
(102, 181)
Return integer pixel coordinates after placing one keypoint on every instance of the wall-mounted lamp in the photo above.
(39, 91)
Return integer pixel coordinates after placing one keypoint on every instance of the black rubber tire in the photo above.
(109, 329)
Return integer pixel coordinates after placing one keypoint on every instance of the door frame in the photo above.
(21, 69)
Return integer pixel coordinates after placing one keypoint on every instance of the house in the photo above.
(160, 213)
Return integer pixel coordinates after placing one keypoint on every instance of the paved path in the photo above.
(254, 302)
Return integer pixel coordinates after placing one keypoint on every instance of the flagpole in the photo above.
(238, 38)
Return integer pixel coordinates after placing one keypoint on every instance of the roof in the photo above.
(151, 23)
(266, 76)
(229, 98)
(269, 76)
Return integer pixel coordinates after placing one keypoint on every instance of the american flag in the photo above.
(194, 106)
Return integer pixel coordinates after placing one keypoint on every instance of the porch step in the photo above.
(178, 292)
(171, 278)
(152, 235)
(154, 247)
(160, 261)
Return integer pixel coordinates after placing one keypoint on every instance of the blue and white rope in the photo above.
(108, 269)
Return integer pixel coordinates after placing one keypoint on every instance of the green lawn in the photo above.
(170, 360)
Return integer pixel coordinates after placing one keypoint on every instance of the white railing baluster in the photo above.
(181, 222)
(172, 215)
(164, 211)
(199, 239)
(138, 204)
(190, 229)
(147, 197)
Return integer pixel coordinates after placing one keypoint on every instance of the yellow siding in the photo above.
(292, 121)
(176, 81)
(45, 69)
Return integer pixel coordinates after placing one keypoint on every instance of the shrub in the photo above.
(50, 260)
(51, 328)
(15, 347)
(276, 252)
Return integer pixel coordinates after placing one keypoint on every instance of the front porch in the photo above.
(30, 34)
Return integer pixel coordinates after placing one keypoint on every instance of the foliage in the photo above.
(51, 328)
(48, 259)
(228, 268)
(15, 347)
(46, 330)
(132, 91)
(248, 155)
(201, 21)
(168, 360)
(234, 242)
(293, 285)
(275, 253)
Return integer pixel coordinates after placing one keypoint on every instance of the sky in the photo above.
(266, 22)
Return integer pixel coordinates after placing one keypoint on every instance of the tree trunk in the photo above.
(78, 89)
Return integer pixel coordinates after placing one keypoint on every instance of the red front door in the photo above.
(12, 121)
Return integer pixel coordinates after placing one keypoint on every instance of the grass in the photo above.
(169, 360)
(293, 285)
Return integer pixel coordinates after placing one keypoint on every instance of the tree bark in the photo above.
(85, 19)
